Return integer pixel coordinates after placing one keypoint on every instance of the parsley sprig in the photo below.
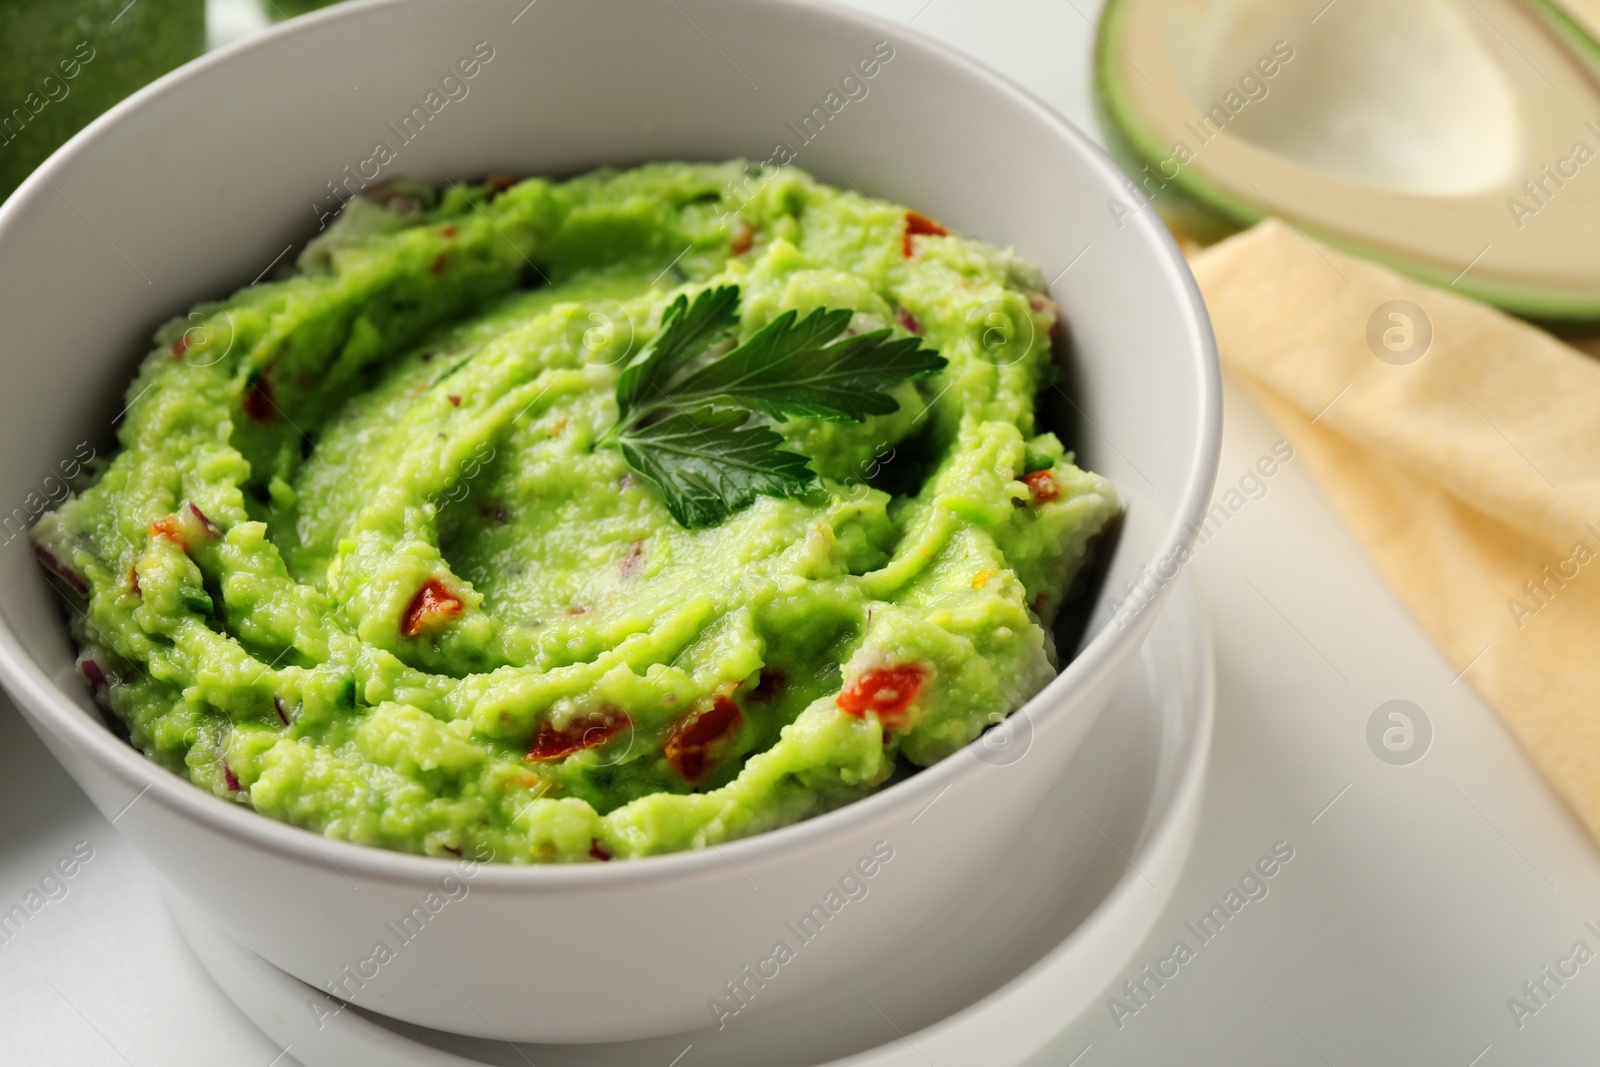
(684, 415)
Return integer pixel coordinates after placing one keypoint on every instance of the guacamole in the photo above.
(364, 563)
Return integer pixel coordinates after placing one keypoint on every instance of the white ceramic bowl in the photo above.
(191, 187)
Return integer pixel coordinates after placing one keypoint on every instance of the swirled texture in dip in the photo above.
(359, 565)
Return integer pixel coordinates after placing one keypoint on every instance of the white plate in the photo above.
(990, 981)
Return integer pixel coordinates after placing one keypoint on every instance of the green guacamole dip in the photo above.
(359, 564)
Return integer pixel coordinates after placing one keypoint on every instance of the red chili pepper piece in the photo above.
(917, 224)
(232, 779)
(1043, 485)
(686, 747)
(438, 264)
(430, 607)
(742, 241)
(78, 582)
(258, 401)
(168, 528)
(449, 230)
(455, 401)
(185, 528)
(581, 732)
(181, 345)
(908, 320)
(888, 691)
(499, 183)
(598, 853)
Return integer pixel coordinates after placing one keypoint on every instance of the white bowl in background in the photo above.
(192, 186)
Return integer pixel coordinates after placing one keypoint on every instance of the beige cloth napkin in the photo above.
(1472, 475)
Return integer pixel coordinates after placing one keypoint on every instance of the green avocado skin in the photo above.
(1196, 206)
(419, 408)
(1584, 47)
(64, 62)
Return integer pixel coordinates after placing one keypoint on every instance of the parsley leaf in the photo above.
(789, 369)
(679, 418)
(709, 463)
(686, 331)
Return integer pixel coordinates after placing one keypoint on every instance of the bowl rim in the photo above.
(68, 721)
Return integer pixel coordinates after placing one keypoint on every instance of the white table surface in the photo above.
(1415, 906)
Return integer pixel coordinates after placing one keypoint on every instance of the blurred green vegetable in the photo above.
(288, 9)
(63, 62)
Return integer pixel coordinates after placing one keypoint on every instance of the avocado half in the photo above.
(1456, 143)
